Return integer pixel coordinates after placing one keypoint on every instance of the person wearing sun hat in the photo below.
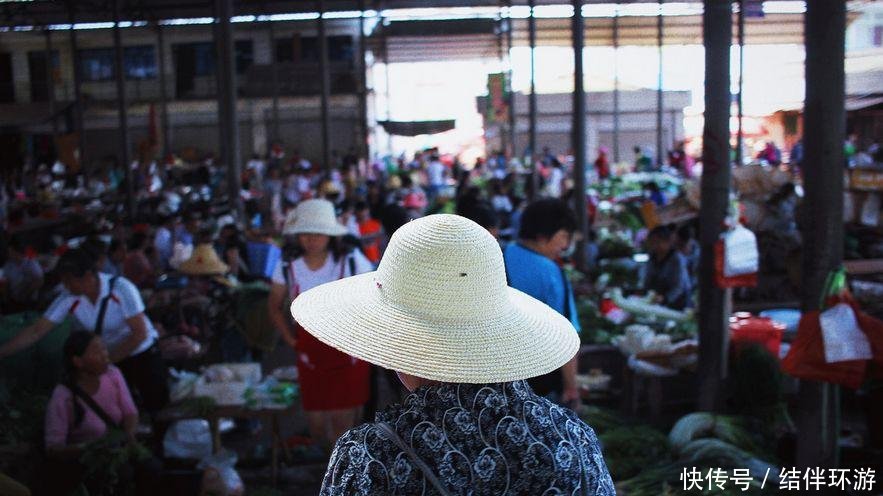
(438, 312)
(333, 385)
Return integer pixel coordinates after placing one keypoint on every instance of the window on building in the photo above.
(140, 62)
(99, 64)
(205, 58)
(244, 55)
(96, 64)
(340, 48)
(284, 50)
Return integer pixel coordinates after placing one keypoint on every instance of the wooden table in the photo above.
(177, 412)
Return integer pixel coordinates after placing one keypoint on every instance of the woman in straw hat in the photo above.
(334, 385)
(438, 311)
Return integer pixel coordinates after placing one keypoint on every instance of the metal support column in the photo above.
(121, 111)
(616, 85)
(579, 132)
(229, 121)
(50, 84)
(163, 96)
(513, 117)
(275, 70)
(385, 42)
(824, 133)
(713, 308)
(741, 34)
(79, 107)
(362, 149)
(504, 136)
(326, 88)
(532, 102)
(660, 146)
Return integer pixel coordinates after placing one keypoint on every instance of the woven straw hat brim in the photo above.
(205, 270)
(352, 316)
(328, 230)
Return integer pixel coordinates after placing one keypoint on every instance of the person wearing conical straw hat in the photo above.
(438, 311)
(333, 385)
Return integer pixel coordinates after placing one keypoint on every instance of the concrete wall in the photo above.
(637, 121)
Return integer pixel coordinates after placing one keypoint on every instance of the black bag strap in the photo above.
(427, 472)
(286, 266)
(95, 407)
(99, 323)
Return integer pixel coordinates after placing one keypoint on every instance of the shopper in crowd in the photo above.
(654, 194)
(547, 227)
(439, 313)
(667, 272)
(333, 385)
(602, 164)
(112, 308)
(370, 232)
(92, 401)
(643, 162)
(137, 267)
(23, 275)
(116, 257)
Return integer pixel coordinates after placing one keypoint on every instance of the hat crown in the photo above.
(313, 216)
(444, 267)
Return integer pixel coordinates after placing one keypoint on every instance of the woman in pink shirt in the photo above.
(71, 422)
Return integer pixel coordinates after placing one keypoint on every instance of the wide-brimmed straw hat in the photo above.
(314, 217)
(204, 261)
(438, 307)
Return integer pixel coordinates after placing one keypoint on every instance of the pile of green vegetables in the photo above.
(109, 463)
(645, 462)
(596, 329)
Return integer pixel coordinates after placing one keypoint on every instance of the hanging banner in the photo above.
(497, 103)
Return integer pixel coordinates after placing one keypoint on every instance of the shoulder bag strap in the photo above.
(95, 407)
(99, 322)
(427, 472)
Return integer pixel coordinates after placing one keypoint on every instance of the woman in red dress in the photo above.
(334, 386)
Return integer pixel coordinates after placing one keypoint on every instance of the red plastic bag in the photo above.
(757, 330)
(722, 281)
(806, 359)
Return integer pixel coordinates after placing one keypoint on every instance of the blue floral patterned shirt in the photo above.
(495, 439)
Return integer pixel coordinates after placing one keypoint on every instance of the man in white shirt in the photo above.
(111, 307)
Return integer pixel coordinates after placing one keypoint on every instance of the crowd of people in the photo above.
(330, 225)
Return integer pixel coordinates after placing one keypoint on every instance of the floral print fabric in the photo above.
(497, 439)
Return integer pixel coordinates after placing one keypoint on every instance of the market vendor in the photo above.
(92, 403)
(667, 273)
(111, 307)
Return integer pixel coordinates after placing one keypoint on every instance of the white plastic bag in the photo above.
(740, 252)
(843, 338)
(219, 477)
(191, 439)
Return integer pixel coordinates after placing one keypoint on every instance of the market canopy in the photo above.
(416, 128)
